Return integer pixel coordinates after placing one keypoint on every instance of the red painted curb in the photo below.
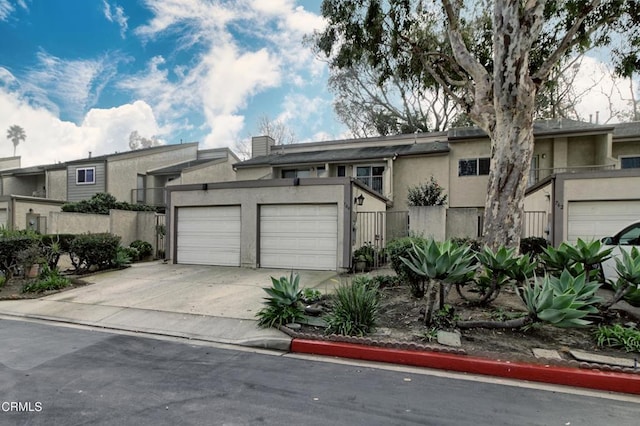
(592, 379)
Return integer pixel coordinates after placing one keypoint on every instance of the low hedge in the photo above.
(94, 251)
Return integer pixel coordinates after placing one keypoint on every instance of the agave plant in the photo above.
(583, 256)
(442, 264)
(283, 303)
(628, 269)
(561, 301)
(499, 269)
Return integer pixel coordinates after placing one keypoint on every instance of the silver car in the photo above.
(624, 240)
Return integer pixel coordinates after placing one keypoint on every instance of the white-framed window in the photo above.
(371, 176)
(473, 166)
(86, 176)
(629, 162)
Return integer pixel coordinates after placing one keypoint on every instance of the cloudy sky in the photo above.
(81, 75)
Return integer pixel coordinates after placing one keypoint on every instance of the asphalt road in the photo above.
(53, 375)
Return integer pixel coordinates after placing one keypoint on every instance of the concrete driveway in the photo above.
(202, 302)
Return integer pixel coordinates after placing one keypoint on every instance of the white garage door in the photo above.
(299, 236)
(209, 235)
(591, 220)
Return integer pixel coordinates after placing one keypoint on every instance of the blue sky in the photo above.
(81, 75)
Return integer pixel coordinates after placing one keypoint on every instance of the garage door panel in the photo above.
(299, 236)
(591, 220)
(209, 235)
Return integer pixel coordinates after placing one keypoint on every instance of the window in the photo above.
(86, 176)
(295, 173)
(141, 190)
(630, 236)
(629, 162)
(474, 167)
(371, 176)
(342, 171)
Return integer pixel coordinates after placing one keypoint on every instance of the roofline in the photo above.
(134, 153)
(239, 165)
(391, 138)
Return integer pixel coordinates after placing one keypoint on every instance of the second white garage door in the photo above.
(209, 235)
(591, 220)
(299, 236)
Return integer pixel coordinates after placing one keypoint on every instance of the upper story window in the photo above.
(86, 176)
(371, 176)
(342, 171)
(629, 162)
(473, 167)
(295, 173)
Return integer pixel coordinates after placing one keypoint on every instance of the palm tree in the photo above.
(16, 135)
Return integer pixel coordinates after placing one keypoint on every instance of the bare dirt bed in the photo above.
(12, 289)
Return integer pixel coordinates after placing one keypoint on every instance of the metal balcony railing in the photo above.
(536, 175)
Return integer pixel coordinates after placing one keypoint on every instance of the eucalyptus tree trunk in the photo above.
(511, 130)
(511, 152)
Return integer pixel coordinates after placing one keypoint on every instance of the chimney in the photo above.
(261, 145)
(89, 154)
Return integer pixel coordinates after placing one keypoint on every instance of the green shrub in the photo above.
(144, 249)
(49, 279)
(101, 203)
(283, 303)
(310, 295)
(398, 249)
(3, 280)
(125, 256)
(369, 255)
(427, 194)
(94, 251)
(15, 247)
(617, 336)
(382, 281)
(533, 246)
(54, 246)
(355, 309)
(474, 244)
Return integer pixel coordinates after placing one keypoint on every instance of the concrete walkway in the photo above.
(209, 303)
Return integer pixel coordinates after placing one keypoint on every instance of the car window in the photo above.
(630, 237)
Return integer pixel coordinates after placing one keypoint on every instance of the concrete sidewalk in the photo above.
(209, 303)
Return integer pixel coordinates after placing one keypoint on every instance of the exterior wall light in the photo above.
(359, 200)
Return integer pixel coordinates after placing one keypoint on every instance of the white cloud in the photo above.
(116, 14)
(72, 86)
(6, 8)
(51, 140)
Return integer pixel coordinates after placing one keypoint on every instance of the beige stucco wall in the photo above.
(57, 184)
(428, 221)
(128, 225)
(77, 223)
(467, 191)
(22, 185)
(625, 149)
(412, 171)
(249, 199)
(220, 171)
(9, 163)
(582, 152)
(539, 200)
(122, 172)
(252, 173)
(21, 207)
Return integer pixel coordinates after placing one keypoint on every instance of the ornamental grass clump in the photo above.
(355, 308)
